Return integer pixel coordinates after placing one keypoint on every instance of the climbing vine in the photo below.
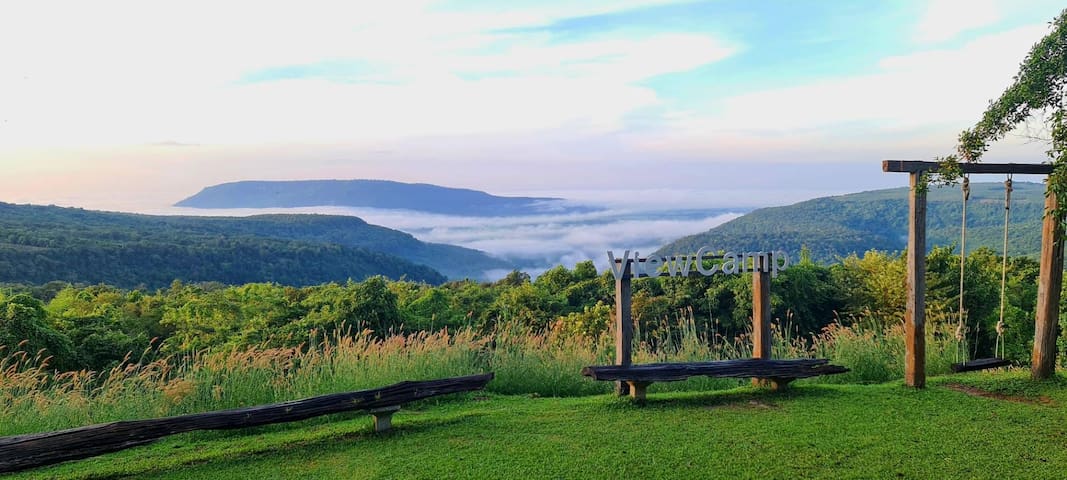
(1038, 87)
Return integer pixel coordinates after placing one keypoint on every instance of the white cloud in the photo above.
(123, 73)
(910, 97)
(945, 19)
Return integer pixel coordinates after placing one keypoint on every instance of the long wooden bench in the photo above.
(776, 373)
(21, 452)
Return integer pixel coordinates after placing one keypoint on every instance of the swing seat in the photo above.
(979, 364)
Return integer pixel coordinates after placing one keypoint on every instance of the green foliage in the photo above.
(44, 244)
(23, 326)
(103, 324)
(591, 322)
(808, 294)
(1038, 86)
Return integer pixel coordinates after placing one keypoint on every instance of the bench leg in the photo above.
(383, 417)
(773, 383)
(637, 390)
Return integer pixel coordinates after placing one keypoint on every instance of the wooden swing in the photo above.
(961, 329)
(1049, 280)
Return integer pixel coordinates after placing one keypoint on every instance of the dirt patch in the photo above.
(978, 392)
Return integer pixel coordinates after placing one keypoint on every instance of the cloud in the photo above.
(129, 73)
(172, 143)
(945, 19)
(932, 93)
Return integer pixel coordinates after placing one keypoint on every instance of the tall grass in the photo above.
(876, 355)
(547, 363)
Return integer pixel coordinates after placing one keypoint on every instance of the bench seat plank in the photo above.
(740, 368)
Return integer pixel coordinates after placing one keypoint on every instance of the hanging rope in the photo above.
(1004, 265)
(961, 327)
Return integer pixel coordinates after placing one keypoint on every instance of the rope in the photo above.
(961, 328)
(1004, 261)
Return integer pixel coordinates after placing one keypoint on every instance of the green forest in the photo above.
(834, 227)
(97, 327)
(39, 244)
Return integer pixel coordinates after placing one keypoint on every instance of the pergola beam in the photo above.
(917, 166)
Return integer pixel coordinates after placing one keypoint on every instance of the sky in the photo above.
(134, 105)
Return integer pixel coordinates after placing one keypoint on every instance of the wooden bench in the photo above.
(21, 452)
(776, 373)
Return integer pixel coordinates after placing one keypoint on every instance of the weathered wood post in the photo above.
(915, 311)
(1049, 285)
(761, 308)
(383, 417)
(761, 311)
(624, 325)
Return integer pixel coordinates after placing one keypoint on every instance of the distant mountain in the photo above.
(40, 244)
(832, 227)
(369, 193)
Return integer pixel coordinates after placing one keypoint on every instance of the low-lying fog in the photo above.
(632, 220)
(536, 242)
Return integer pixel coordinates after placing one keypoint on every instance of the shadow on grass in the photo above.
(746, 397)
(197, 448)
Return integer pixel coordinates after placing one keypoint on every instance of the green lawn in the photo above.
(811, 431)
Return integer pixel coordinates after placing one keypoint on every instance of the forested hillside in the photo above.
(833, 227)
(39, 244)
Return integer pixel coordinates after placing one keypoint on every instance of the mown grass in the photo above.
(811, 431)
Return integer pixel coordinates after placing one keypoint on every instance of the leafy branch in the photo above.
(1039, 85)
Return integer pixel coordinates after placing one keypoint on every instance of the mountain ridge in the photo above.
(385, 194)
(836, 226)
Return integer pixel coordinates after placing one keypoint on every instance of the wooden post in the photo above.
(915, 311)
(624, 325)
(1050, 282)
(761, 312)
(637, 390)
(761, 309)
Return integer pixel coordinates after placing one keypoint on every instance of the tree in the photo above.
(514, 279)
(1037, 87)
(22, 326)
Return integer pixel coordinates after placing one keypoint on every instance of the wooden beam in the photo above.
(27, 451)
(915, 311)
(624, 325)
(916, 166)
(1049, 285)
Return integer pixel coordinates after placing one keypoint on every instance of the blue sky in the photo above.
(123, 104)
